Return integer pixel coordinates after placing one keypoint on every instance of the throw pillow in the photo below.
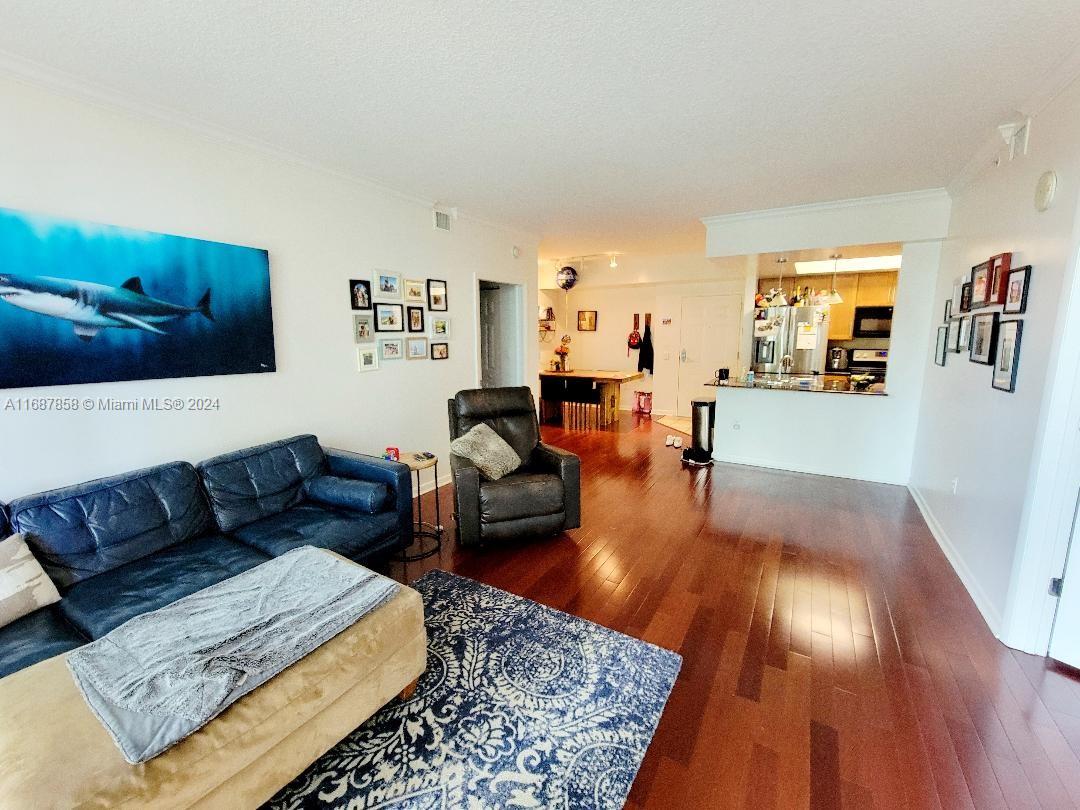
(488, 451)
(348, 493)
(24, 585)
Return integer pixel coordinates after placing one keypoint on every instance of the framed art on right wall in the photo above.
(1008, 355)
(1016, 291)
(983, 338)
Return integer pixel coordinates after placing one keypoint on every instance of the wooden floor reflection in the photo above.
(831, 656)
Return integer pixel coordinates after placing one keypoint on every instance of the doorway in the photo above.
(502, 361)
(710, 329)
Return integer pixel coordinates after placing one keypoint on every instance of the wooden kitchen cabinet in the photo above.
(842, 316)
(876, 290)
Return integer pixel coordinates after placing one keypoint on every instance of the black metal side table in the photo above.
(427, 536)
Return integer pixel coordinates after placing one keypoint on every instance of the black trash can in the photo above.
(703, 415)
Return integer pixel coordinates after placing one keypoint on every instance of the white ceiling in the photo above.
(604, 125)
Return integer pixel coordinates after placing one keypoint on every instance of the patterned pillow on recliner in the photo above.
(488, 451)
(24, 586)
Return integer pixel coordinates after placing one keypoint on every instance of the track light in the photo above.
(613, 264)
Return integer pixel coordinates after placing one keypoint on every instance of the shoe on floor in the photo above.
(669, 441)
(677, 444)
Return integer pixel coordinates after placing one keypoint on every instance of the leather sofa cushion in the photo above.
(35, 637)
(348, 493)
(521, 495)
(510, 412)
(255, 483)
(355, 535)
(97, 605)
(81, 531)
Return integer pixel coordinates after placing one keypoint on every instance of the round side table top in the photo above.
(408, 457)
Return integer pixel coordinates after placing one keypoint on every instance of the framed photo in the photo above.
(983, 338)
(367, 358)
(416, 348)
(359, 293)
(586, 320)
(414, 291)
(1016, 291)
(965, 297)
(391, 349)
(415, 318)
(363, 327)
(1008, 355)
(440, 328)
(954, 335)
(980, 285)
(436, 295)
(999, 277)
(388, 285)
(389, 318)
(965, 334)
(942, 345)
(440, 351)
(948, 311)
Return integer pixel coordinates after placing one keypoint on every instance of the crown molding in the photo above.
(63, 83)
(922, 195)
(988, 155)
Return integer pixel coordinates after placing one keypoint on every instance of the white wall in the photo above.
(989, 440)
(641, 284)
(847, 435)
(68, 157)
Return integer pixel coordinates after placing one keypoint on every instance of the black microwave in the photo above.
(873, 322)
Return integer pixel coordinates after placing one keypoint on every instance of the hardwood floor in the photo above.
(831, 657)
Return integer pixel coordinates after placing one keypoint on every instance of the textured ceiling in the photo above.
(600, 125)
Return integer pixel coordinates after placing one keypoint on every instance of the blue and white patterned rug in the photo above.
(521, 706)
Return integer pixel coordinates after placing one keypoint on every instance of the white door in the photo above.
(501, 360)
(490, 338)
(1065, 641)
(709, 339)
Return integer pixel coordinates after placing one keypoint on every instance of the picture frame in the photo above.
(414, 319)
(387, 285)
(1016, 290)
(965, 334)
(391, 349)
(360, 293)
(999, 277)
(414, 291)
(436, 294)
(941, 345)
(364, 328)
(440, 328)
(983, 338)
(1008, 355)
(586, 320)
(948, 311)
(389, 318)
(440, 351)
(954, 335)
(980, 285)
(416, 348)
(367, 358)
(965, 296)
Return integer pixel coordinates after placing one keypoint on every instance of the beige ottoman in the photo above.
(55, 753)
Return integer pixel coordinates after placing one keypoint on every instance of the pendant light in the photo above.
(834, 297)
(780, 290)
(613, 264)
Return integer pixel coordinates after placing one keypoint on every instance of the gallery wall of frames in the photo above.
(396, 318)
(981, 319)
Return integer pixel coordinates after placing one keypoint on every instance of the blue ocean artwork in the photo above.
(86, 303)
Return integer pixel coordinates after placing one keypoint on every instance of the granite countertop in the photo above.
(814, 385)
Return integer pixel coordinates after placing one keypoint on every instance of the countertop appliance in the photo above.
(873, 322)
(838, 359)
(791, 340)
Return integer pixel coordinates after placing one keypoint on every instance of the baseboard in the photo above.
(808, 469)
(427, 484)
(970, 583)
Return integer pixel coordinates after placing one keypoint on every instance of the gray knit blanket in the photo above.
(163, 675)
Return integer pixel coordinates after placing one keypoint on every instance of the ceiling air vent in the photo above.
(443, 220)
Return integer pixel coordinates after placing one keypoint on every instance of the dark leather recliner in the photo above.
(542, 497)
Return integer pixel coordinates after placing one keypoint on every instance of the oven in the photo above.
(873, 322)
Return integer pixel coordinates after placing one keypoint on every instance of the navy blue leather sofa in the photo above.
(132, 543)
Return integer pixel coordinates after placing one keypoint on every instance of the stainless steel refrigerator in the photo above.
(791, 340)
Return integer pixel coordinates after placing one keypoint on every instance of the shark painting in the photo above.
(92, 307)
